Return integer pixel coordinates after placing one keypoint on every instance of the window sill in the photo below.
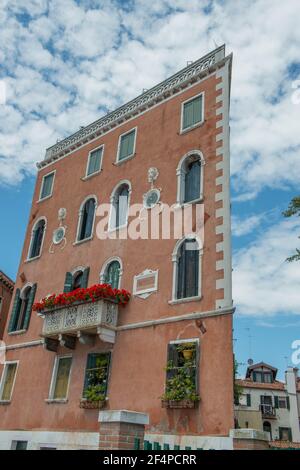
(79, 242)
(194, 201)
(5, 402)
(58, 401)
(44, 199)
(88, 177)
(188, 129)
(29, 260)
(183, 301)
(119, 162)
(17, 332)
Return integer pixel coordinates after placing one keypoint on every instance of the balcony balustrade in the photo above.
(84, 320)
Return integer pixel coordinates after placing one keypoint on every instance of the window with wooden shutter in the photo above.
(47, 186)
(9, 374)
(127, 145)
(61, 380)
(15, 311)
(68, 286)
(192, 113)
(248, 399)
(96, 376)
(85, 278)
(120, 201)
(94, 161)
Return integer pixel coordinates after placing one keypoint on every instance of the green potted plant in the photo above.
(95, 393)
(181, 389)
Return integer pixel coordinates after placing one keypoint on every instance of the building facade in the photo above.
(6, 292)
(169, 147)
(268, 404)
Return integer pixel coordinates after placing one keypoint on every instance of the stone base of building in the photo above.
(121, 429)
(249, 439)
(50, 439)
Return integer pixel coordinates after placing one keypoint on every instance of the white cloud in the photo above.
(244, 226)
(264, 284)
(84, 56)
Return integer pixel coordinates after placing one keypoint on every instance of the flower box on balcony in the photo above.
(92, 405)
(179, 404)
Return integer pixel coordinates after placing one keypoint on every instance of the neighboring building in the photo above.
(169, 145)
(6, 292)
(268, 404)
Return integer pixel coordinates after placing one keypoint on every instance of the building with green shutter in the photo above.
(128, 330)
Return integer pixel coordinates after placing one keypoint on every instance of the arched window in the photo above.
(37, 238)
(190, 177)
(86, 219)
(22, 306)
(112, 274)
(76, 279)
(119, 206)
(187, 269)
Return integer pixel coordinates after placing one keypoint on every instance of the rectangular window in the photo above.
(192, 112)
(96, 376)
(60, 384)
(127, 145)
(19, 445)
(285, 434)
(47, 185)
(282, 402)
(182, 371)
(8, 379)
(94, 161)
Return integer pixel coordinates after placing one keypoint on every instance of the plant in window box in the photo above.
(181, 389)
(95, 393)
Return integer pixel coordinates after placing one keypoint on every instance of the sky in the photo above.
(65, 63)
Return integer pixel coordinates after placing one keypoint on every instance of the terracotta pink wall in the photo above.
(139, 357)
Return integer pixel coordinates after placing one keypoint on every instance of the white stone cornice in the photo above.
(158, 93)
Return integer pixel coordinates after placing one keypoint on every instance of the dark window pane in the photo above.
(192, 181)
(121, 208)
(188, 270)
(87, 219)
(37, 239)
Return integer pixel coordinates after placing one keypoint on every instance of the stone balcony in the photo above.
(82, 321)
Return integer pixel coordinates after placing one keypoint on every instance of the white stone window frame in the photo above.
(28, 259)
(144, 293)
(175, 254)
(3, 378)
(180, 173)
(106, 265)
(42, 185)
(50, 399)
(87, 176)
(80, 214)
(200, 123)
(129, 157)
(112, 228)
